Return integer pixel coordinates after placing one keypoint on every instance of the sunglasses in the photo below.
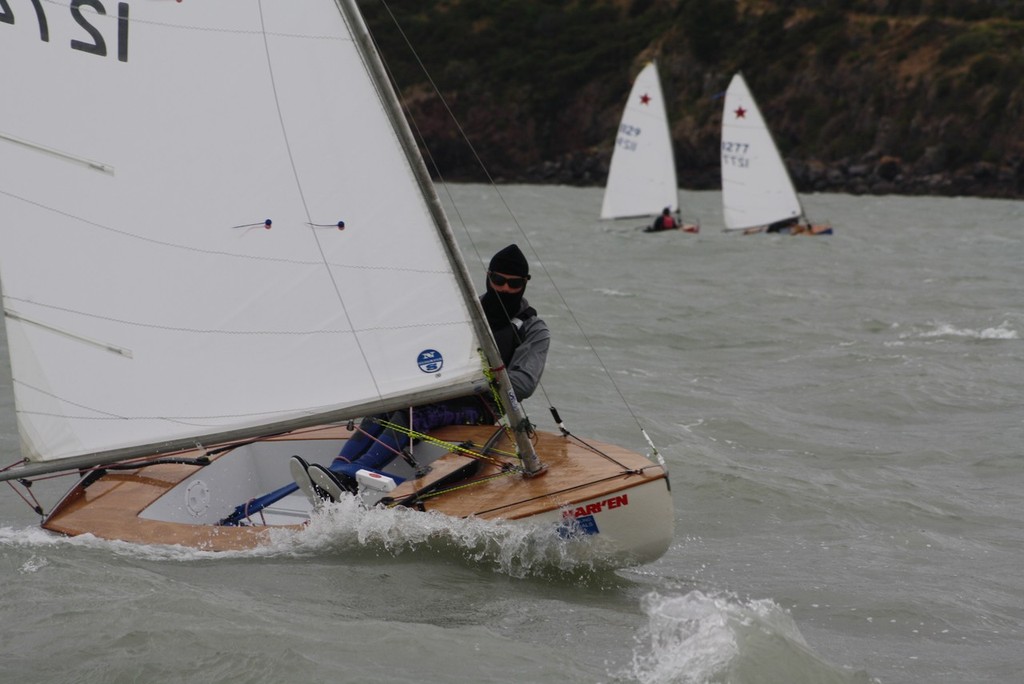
(499, 280)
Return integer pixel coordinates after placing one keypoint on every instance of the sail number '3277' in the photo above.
(91, 39)
(736, 154)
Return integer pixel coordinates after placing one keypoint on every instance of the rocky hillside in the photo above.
(863, 96)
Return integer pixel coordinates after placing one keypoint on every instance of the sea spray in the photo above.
(698, 638)
(514, 548)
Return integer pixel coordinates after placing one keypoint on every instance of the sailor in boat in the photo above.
(787, 226)
(784, 226)
(791, 226)
(811, 229)
(522, 338)
(664, 222)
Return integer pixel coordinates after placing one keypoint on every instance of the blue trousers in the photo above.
(374, 446)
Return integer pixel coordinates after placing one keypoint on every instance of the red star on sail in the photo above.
(741, 113)
(645, 99)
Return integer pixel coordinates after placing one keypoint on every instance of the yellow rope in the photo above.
(492, 382)
(450, 446)
(503, 420)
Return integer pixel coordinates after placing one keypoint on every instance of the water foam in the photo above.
(514, 548)
(700, 638)
(1003, 331)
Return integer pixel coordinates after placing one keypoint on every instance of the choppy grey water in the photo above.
(842, 417)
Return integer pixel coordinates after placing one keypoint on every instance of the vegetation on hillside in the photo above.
(914, 96)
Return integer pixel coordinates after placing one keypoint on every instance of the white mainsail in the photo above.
(146, 300)
(642, 175)
(756, 187)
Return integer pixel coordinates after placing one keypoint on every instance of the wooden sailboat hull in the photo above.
(691, 228)
(607, 496)
(815, 229)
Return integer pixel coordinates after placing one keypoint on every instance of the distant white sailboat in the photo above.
(192, 300)
(642, 176)
(757, 191)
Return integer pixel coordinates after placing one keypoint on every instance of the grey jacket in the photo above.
(529, 357)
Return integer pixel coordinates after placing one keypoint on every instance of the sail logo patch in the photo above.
(430, 361)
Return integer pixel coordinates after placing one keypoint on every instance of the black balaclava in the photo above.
(502, 306)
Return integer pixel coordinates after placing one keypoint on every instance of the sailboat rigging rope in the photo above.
(34, 503)
(454, 448)
(594, 450)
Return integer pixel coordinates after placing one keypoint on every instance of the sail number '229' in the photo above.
(627, 136)
(93, 40)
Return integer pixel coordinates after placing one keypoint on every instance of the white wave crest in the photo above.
(1003, 331)
(698, 639)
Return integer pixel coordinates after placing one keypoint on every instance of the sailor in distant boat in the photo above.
(522, 338)
(783, 226)
(664, 222)
(791, 226)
